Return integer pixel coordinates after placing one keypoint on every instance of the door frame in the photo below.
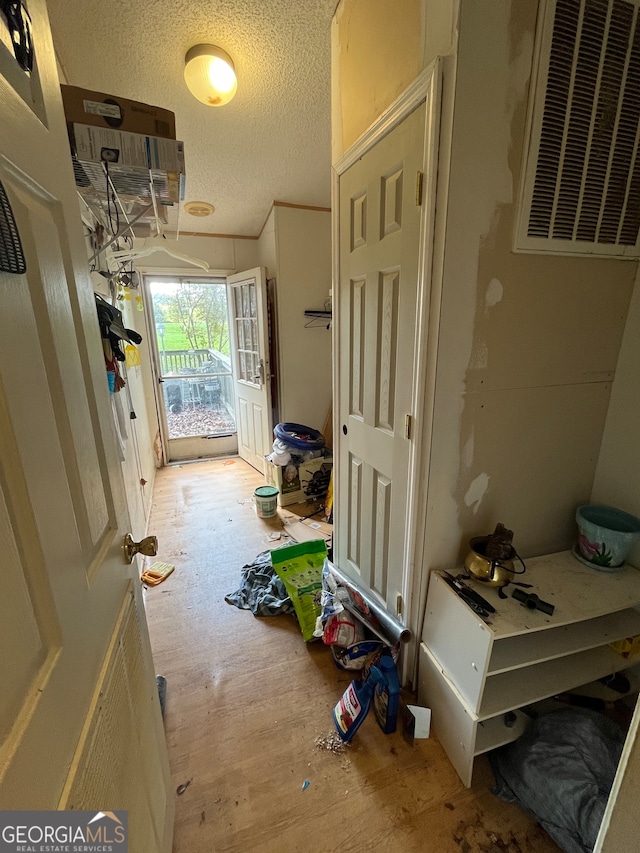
(426, 87)
(146, 273)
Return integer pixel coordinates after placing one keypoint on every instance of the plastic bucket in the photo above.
(606, 535)
(266, 498)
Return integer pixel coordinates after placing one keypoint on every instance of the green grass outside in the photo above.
(174, 338)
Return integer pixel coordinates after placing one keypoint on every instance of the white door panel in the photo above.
(247, 300)
(379, 257)
(65, 586)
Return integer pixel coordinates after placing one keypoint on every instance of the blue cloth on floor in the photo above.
(261, 590)
(561, 771)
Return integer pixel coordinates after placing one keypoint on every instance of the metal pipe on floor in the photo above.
(379, 620)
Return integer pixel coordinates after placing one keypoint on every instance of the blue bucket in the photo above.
(606, 535)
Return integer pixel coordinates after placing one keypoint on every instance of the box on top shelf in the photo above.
(83, 106)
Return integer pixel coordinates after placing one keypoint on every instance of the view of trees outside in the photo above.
(197, 386)
(191, 315)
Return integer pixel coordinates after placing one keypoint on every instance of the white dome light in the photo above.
(210, 75)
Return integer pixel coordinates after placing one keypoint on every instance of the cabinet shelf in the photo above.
(513, 652)
(519, 687)
(495, 732)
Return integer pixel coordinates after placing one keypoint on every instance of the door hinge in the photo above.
(408, 426)
(399, 605)
(419, 177)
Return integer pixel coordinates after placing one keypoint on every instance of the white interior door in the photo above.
(80, 723)
(378, 289)
(252, 371)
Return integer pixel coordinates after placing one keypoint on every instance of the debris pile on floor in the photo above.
(332, 742)
(299, 578)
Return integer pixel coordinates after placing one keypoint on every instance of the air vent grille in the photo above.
(11, 255)
(582, 178)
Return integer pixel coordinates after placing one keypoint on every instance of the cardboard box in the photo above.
(298, 484)
(287, 481)
(83, 106)
(314, 477)
(304, 529)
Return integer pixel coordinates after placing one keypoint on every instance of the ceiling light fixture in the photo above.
(210, 75)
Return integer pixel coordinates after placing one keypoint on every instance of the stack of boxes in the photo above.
(133, 140)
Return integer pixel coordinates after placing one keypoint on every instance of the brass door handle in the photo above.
(147, 546)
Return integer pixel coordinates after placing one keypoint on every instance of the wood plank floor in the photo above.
(247, 700)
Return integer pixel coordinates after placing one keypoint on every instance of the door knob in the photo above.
(259, 377)
(147, 546)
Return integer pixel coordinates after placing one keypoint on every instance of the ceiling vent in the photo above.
(580, 192)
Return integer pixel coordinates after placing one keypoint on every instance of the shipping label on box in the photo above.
(98, 144)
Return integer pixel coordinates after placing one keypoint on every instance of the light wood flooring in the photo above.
(247, 700)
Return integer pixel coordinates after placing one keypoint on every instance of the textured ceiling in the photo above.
(272, 142)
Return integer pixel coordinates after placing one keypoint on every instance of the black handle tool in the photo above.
(475, 601)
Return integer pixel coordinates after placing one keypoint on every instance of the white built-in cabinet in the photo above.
(477, 674)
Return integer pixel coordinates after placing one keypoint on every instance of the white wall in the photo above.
(377, 50)
(617, 480)
(267, 245)
(303, 281)
(232, 254)
(528, 343)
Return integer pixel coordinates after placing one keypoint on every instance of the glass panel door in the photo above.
(194, 358)
(246, 320)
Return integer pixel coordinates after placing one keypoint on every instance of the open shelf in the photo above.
(517, 687)
(495, 732)
(514, 652)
